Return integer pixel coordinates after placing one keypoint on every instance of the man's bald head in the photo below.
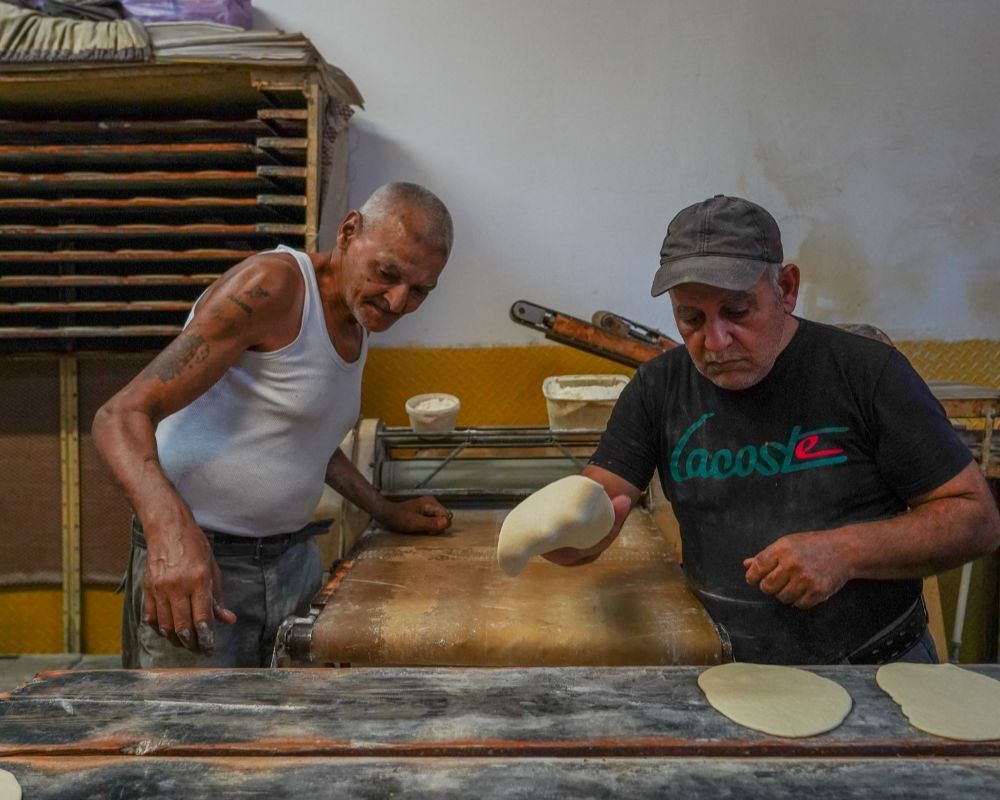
(389, 200)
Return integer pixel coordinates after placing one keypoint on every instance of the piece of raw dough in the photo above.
(944, 699)
(570, 512)
(782, 701)
(10, 789)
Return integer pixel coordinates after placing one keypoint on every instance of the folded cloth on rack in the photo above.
(223, 12)
(33, 37)
(205, 41)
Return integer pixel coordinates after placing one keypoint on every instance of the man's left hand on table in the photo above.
(421, 515)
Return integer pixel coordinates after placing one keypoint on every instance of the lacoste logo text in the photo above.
(802, 450)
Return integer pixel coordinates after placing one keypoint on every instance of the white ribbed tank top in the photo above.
(249, 456)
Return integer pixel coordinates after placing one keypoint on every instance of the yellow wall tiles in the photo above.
(497, 385)
(31, 619)
(102, 620)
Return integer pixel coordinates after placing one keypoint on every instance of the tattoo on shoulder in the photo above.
(233, 298)
(258, 291)
(188, 349)
(228, 324)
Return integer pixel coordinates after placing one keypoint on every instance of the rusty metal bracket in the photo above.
(586, 336)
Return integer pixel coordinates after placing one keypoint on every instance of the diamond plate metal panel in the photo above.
(975, 361)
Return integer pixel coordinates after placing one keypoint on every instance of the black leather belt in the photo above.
(901, 637)
(227, 544)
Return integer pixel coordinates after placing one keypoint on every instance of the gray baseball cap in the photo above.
(724, 241)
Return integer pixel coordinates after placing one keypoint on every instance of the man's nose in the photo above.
(717, 334)
(397, 297)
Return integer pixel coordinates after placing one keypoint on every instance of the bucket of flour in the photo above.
(577, 402)
(434, 412)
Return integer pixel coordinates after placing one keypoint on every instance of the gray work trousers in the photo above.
(262, 591)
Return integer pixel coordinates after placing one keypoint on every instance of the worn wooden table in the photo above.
(445, 732)
(401, 600)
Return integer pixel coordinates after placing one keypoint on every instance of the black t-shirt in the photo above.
(841, 430)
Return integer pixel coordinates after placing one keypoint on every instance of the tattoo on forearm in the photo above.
(189, 349)
(233, 298)
(258, 291)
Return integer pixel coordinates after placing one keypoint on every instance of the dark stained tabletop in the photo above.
(616, 711)
(447, 732)
(89, 778)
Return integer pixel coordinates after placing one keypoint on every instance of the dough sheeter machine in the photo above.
(405, 600)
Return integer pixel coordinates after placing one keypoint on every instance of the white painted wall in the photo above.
(564, 134)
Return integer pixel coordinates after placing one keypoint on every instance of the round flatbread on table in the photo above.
(10, 789)
(781, 701)
(944, 700)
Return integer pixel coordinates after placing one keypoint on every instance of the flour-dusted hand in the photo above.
(182, 588)
(572, 512)
(422, 515)
(623, 496)
(800, 569)
(577, 556)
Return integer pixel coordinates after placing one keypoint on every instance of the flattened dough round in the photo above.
(570, 512)
(781, 701)
(10, 789)
(944, 699)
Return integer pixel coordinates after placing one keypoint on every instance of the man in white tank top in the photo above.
(223, 443)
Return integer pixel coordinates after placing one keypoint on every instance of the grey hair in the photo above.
(386, 199)
(773, 274)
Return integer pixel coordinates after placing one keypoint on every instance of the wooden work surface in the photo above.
(443, 601)
(457, 733)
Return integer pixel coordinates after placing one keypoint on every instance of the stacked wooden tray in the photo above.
(123, 193)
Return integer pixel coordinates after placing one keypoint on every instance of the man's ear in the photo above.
(349, 229)
(788, 282)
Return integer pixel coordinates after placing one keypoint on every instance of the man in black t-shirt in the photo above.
(814, 476)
